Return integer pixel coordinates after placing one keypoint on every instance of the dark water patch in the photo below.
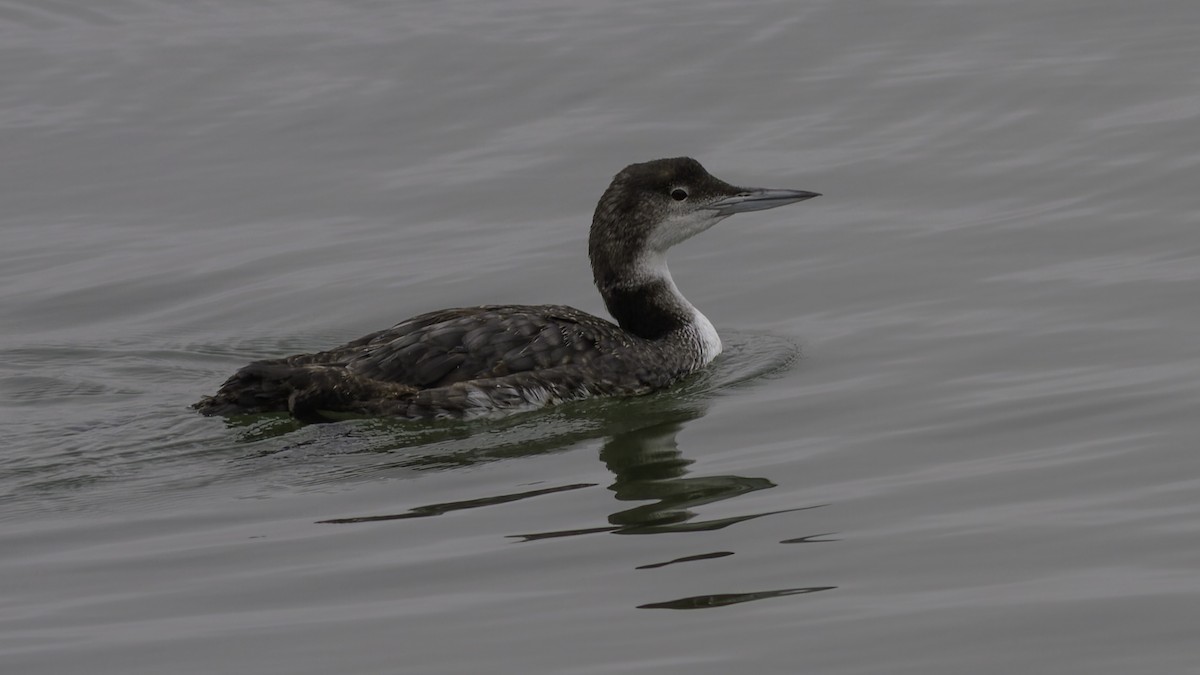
(726, 599)
(676, 527)
(448, 507)
(687, 558)
(560, 534)
(810, 539)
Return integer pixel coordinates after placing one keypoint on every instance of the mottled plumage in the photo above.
(479, 360)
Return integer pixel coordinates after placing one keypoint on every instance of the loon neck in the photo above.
(646, 302)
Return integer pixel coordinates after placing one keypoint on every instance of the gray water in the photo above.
(954, 431)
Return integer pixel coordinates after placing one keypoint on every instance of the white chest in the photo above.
(710, 341)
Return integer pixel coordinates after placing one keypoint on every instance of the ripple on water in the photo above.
(132, 433)
(23, 390)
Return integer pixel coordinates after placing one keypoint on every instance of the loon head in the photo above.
(651, 206)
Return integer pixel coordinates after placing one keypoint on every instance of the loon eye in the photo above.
(679, 194)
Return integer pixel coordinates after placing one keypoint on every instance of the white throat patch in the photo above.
(652, 267)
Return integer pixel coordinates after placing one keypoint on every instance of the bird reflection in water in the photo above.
(648, 466)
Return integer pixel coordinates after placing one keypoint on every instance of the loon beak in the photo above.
(759, 199)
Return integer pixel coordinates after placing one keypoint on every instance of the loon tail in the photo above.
(301, 390)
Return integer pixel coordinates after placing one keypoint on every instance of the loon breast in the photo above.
(472, 361)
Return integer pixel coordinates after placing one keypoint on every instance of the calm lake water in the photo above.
(955, 429)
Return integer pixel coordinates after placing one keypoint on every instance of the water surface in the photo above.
(954, 430)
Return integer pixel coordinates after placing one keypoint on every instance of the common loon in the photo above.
(474, 361)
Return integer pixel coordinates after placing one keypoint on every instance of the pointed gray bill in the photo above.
(759, 199)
